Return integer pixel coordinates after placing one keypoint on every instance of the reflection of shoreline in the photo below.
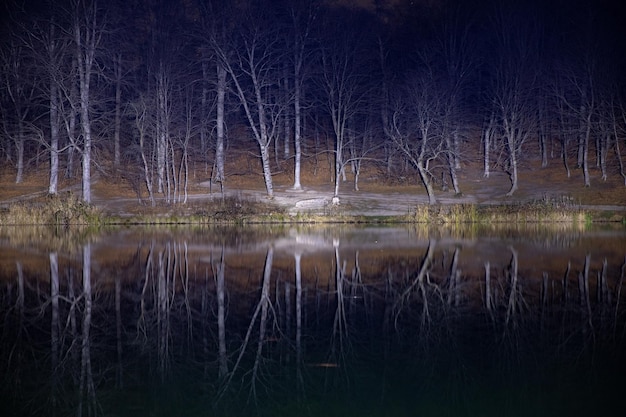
(121, 254)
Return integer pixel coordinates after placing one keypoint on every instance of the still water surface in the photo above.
(313, 321)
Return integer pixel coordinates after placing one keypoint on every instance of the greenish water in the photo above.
(312, 321)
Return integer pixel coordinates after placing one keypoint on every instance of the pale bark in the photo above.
(87, 38)
(162, 128)
(618, 153)
(117, 67)
(251, 64)
(54, 138)
(219, 146)
(297, 133)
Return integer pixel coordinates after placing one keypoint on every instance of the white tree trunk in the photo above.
(162, 130)
(19, 148)
(54, 138)
(297, 139)
(267, 171)
(219, 146)
(85, 58)
(511, 142)
(118, 110)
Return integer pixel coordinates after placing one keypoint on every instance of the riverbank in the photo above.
(545, 195)
(249, 207)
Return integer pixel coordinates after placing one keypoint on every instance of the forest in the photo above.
(149, 88)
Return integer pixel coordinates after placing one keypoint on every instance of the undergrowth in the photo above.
(58, 210)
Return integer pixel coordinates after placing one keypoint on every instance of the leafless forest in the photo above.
(147, 87)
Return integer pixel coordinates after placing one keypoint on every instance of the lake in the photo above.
(334, 320)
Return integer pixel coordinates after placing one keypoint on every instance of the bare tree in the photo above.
(252, 61)
(453, 53)
(87, 30)
(414, 126)
(343, 83)
(302, 23)
(138, 111)
(514, 82)
(19, 87)
(577, 100)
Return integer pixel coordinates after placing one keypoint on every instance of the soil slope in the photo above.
(122, 191)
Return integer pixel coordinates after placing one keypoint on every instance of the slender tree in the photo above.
(252, 63)
(514, 84)
(344, 88)
(87, 30)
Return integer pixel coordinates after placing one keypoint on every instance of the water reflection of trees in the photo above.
(178, 320)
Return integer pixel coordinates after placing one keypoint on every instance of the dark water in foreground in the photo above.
(335, 321)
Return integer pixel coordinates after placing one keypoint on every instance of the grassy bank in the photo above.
(69, 210)
(517, 213)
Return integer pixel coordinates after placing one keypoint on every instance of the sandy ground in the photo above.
(376, 197)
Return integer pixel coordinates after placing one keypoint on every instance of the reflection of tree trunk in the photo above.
(618, 296)
(298, 257)
(602, 289)
(418, 282)
(19, 302)
(583, 286)
(488, 286)
(141, 321)
(357, 280)
(87, 388)
(261, 308)
(265, 301)
(512, 305)
(565, 282)
(163, 270)
(221, 318)
(118, 331)
(54, 322)
(452, 277)
(288, 312)
(72, 313)
(340, 327)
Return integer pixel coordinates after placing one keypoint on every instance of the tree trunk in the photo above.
(297, 132)
(585, 152)
(118, 109)
(453, 163)
(162, 130)
(511, 142)
(85, 57)
(19, 148)
(618, 153)
(54, 138)
(219, 146)
(267, 170)
(287, 114)
(338, 166)
(487, 137)
(423, 173)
